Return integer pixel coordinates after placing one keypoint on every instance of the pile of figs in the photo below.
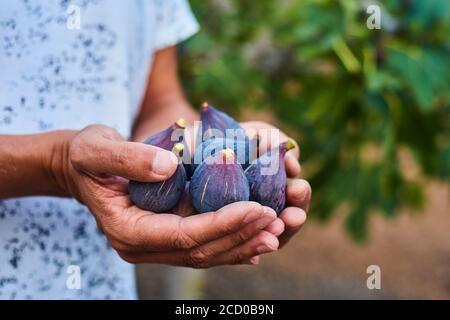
(223, 167)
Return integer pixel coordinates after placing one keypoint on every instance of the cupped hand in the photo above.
(98, 162)
(298, 192)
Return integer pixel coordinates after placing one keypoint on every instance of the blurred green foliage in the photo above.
(339, 88)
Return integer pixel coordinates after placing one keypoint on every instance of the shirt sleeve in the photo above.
(174, 21)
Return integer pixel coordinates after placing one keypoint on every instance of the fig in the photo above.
(184, 207)
(218, 181)
(218, 122)
(267, 177)
(245, 150)
(160, 196)
(167, 138)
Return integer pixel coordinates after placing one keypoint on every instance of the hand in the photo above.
(298, 190)
(95, 165)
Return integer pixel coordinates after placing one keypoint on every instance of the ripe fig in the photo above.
(218, 181)
(184, 207)
(213, 119)
(267, 177)
(167, 138)
(160, 196)
(245, 150)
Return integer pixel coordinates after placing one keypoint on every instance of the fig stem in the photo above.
(180, 123)
(290, 144)
(228, 153)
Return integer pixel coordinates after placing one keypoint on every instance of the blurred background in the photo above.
(371, 111)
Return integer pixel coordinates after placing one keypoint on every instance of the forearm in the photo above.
(32, 164)
(164, 101)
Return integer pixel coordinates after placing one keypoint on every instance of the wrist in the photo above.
(56, 162)
(33, 164)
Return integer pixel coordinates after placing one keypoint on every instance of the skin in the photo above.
(94, 164)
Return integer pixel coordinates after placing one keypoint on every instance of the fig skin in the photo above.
(212, 118)
(218, 181)
(245, 150)
(269, 190)
(184, 207)
(163, 139)
(160, 196)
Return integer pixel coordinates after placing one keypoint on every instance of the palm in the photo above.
(234, 234)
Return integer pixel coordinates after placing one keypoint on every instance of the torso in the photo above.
(53, 77)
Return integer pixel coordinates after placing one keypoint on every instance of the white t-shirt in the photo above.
(65, 65)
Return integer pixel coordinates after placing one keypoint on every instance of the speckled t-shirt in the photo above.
(64, 65)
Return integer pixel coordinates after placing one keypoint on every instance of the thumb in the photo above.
(130, 160)
(138, 161)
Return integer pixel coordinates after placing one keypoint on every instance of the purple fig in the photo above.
(213, 119)
(185, 207)
(245, 150)
(167, 138)
(218, 181)
(160, 196)
(267, 177)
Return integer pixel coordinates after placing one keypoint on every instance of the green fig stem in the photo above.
(290, 144)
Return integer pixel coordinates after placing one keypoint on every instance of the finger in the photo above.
(164, 232)
(298, 193)
(293, 219)
(132, 160)
(276, 227)
(226, 243)
(210, 226)
(268, 135)
(268, 139)
(293, 168)
(252, 261)
(264, 242)
(136, 161)
(267, 143)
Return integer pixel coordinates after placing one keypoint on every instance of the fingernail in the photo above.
(164, 163)
(263, 249)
